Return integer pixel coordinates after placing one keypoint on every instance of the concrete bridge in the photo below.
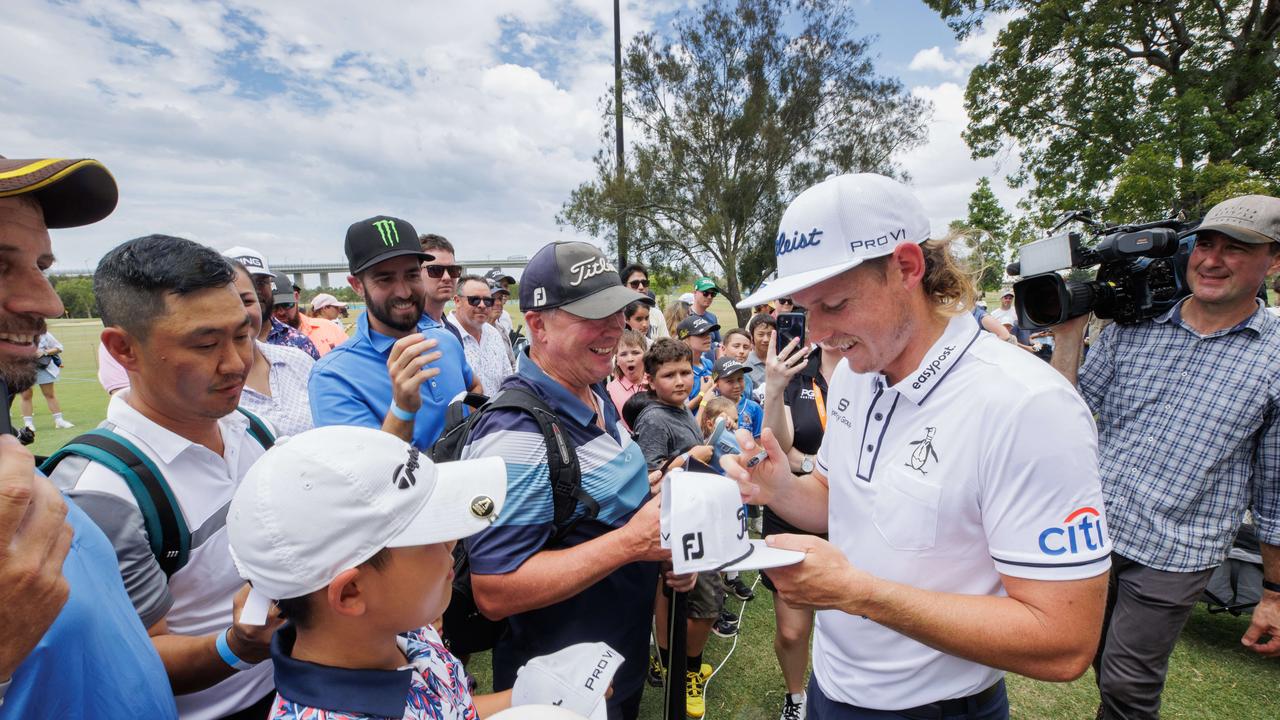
(326, 271)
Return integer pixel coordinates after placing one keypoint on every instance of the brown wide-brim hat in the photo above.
(72, 192)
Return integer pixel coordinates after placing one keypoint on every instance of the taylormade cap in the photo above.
(381, 237)
(695, 325)
(1249, 218)
(324, 300)
(704, 524)
(576, 277)
(71, 192)
(575, 678)
(329, 499)
(254, 261)
(839, 224)
(727, 367)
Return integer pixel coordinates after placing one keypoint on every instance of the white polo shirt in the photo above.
(982, 462)
(196, 600)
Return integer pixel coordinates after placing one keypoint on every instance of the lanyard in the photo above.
(821, 404)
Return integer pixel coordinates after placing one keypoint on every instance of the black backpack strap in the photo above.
(166, 528)
(258, 429)
(563, 468)
(459, 410)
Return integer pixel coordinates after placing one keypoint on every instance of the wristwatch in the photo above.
(806, 465)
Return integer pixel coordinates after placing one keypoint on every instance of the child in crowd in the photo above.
(351, 531)
(737, 345)
(628, 367)
(712, 410)
(637, 315)
(664, 429)
(730, 379)
(696, 333)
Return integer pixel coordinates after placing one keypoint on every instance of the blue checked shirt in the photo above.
(1188, 436)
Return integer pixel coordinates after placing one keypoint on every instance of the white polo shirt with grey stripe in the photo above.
(197, 599)
(982, 463)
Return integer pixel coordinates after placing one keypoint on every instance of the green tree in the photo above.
(77, 296)
(986, 232)
(747, 104)
(1131, 107)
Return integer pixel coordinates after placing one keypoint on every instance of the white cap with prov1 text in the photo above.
(838, 224)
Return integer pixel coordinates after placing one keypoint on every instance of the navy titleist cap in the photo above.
(695, 325)
(727, 367)
(576, 277)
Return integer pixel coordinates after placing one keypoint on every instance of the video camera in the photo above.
(1142, 272)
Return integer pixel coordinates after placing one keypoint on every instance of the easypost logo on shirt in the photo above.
(1081, 531)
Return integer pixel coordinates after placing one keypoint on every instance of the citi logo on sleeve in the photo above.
(1082, 531)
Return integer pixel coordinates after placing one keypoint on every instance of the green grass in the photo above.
(1210, 676)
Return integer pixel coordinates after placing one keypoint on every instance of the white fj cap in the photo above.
(536, 712)
(328, 499)
(254, 261)
(574, 678)
(705, 525)
(838, 224)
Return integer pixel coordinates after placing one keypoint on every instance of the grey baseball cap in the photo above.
(1249, 218)
(576, 277)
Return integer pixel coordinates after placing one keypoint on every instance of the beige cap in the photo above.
(324, 300)
(1248, 218)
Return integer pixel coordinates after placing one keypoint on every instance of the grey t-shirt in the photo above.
(663, 430)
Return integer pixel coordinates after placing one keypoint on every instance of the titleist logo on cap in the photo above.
(587, 269)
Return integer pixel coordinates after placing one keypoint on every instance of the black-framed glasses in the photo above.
(637, 284)
(435, 272)
(786, 301)
(475, 300)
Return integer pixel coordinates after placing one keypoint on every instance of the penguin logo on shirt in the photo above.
(924, 450)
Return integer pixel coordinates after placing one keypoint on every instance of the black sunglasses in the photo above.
(475, 300)
(637, 284)
(786, 301)
(435, 272)
(708, 293)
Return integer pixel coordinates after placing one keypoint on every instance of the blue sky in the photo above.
(276, 123)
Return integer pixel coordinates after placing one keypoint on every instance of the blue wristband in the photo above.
(401, 413)
(228, 656)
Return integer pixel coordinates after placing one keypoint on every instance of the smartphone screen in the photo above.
(790, 326)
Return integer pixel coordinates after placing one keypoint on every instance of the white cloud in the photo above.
(932, 59)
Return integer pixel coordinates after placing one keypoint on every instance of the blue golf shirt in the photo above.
(350, 385)
(96, 660)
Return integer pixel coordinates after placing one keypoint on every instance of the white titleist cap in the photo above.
(574, 678)
(254, 261)
(328, 499)
(838, 224)
(705, 525)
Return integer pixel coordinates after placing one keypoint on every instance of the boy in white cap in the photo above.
(351, 532)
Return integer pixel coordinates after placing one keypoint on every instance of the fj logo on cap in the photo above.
(403, 477)
(482, 506)
(388, 232)
(693, 549)
(539, 296)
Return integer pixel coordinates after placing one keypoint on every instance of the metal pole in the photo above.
(673, 706)
(623, 240)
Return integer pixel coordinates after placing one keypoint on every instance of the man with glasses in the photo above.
(441, 278)
(486, 353)
(323, 334)
(273, 331)
(636, 277)
(704, 291)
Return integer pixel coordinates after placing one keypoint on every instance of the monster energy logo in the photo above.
(387, 230)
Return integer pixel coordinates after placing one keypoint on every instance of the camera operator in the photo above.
(1189, 437)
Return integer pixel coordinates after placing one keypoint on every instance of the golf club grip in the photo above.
(677, 644)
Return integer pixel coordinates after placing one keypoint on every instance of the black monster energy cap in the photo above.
(379, 238)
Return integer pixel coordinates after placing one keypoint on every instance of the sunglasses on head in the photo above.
(476, 300)
(637, 284)
(435, 272)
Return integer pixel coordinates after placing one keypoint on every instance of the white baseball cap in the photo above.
(838, 224)
(253, 260)
(687, 298)
(328, 499)
(324, 300)
(535, 712)
(575, 678)
(704, 524)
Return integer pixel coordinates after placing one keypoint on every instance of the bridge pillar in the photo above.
(324, 280)
(297, 280)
